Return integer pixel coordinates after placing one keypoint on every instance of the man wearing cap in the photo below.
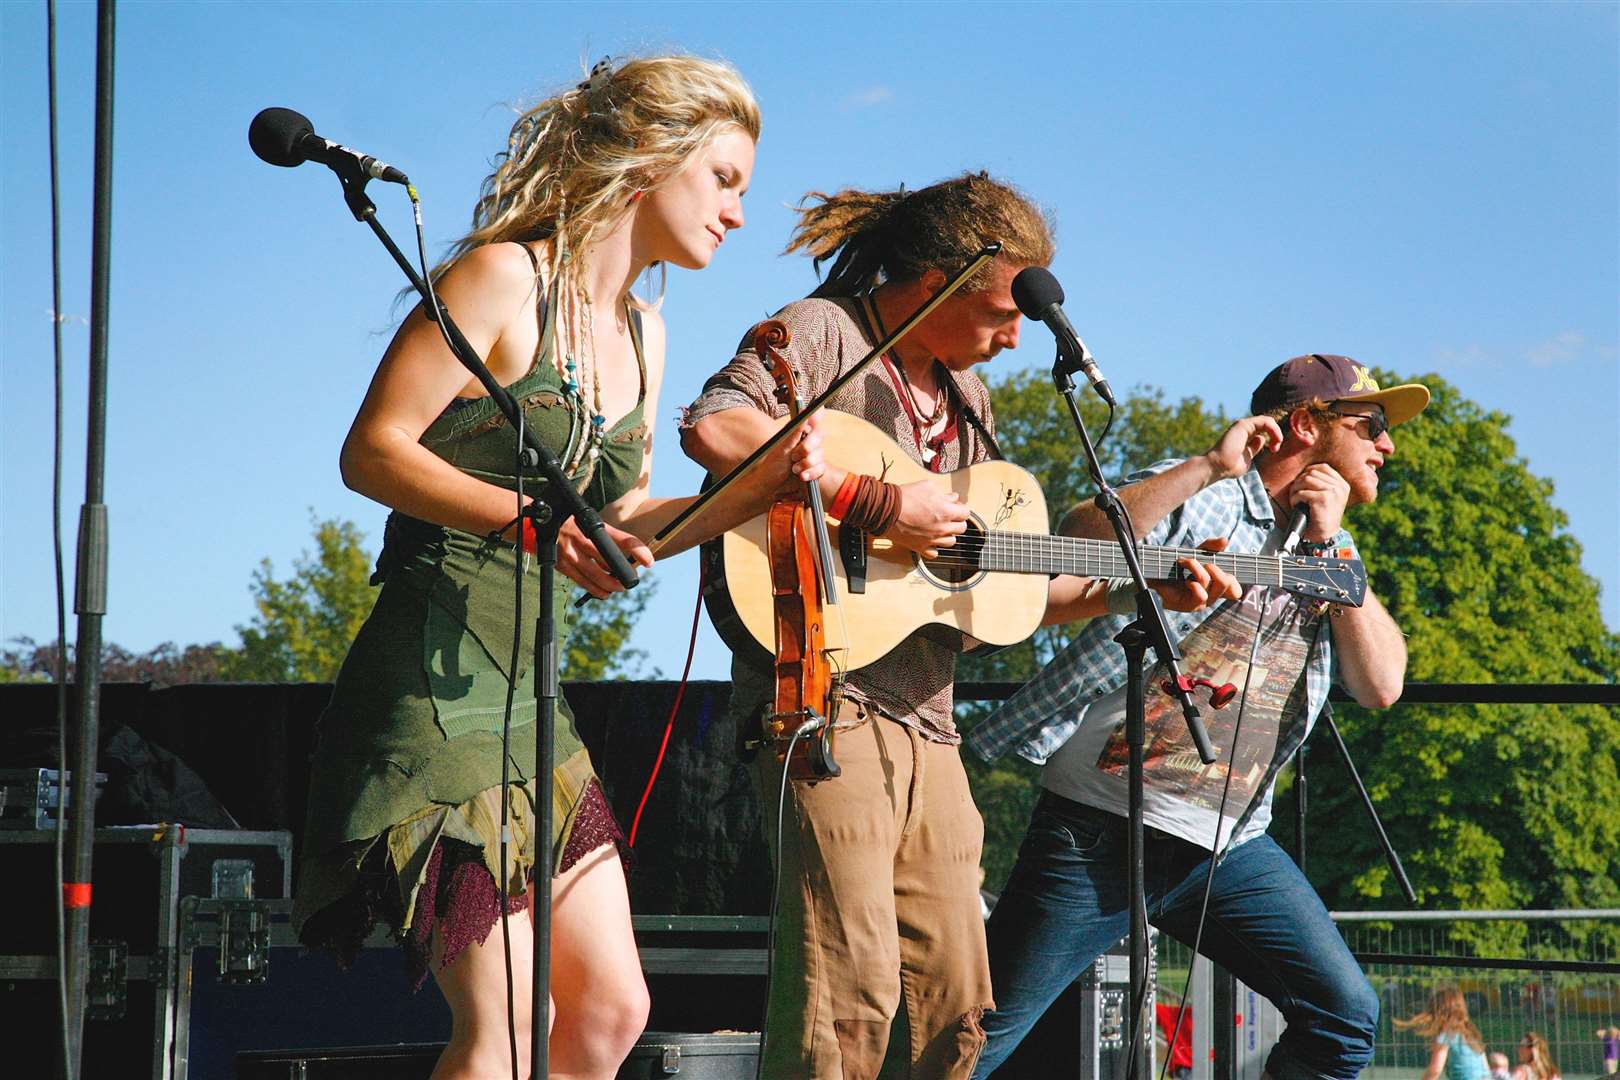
(1319, 433)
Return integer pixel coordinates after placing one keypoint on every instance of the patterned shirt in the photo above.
(912, 683)
(1048, 710)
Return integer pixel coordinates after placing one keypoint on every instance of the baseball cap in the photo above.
(1335, 378)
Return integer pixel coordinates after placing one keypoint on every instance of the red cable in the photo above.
(669, 726)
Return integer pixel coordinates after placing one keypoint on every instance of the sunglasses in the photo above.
(1377, 423)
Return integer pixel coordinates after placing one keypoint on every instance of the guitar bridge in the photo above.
(852, 552)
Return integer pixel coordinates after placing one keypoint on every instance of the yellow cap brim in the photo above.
(1400, 403)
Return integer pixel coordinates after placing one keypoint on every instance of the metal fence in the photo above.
(1554, 972)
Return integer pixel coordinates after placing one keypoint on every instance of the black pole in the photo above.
(1391, 856)
(90, 593)
(1134, 639)
(1150, 630)
(547, 686)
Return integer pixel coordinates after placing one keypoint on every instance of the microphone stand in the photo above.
(1149, 630)
(548, 513)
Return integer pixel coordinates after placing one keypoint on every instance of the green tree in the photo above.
(166, 665)
(599, 635)
(303, 625)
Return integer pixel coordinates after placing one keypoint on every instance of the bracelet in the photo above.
(873, 507)
(846, 495)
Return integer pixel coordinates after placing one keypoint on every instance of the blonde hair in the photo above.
(574, 161)
(1446, 1014)
(874, 237)
(1542, 1066)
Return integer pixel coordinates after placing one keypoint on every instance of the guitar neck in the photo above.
(1033, 553)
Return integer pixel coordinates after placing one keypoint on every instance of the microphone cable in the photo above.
(674, 710)
(806, 728)
(520, 558)
(1216, 856)
(59, 667)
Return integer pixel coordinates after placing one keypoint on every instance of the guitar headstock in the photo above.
(1337, 581)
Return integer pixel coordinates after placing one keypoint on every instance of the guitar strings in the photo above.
(1011, 551)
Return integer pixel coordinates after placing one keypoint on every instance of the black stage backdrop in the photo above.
(699, 850)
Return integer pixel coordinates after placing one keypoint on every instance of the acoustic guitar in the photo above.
(989, 589)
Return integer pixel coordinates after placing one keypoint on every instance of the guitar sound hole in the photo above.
(959, 562)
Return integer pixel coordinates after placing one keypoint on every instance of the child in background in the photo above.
(1499, 1065)
(1611, 1049)
(1535, 1059)
(1457, 1050)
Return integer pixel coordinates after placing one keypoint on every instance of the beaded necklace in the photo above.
(585, 439)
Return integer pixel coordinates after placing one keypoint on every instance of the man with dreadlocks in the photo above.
(880, 870)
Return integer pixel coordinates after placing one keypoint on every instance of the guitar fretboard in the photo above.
(1042, 553)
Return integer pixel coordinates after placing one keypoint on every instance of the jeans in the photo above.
(1066, 902)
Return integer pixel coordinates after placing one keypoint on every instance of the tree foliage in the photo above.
(166, 665)
(1490, 805)
(599, 637)
(303, 625)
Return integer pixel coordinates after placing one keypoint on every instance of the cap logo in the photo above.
(1364, 379)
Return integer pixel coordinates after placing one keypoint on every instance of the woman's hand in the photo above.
(578, 558)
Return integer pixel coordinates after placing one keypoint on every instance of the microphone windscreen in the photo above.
(1034, 290)
(275, 135)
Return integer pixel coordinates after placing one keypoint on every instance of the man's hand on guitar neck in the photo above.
(1071, 598)
(930, 519)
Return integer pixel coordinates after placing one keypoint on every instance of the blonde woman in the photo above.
(1535, 1059)
(1457, 1049)
(641, 164)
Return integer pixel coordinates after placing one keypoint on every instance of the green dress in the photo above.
(409, 749)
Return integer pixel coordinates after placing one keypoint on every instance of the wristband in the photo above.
(845, 496)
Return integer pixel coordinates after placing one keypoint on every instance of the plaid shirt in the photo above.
(1048, 709)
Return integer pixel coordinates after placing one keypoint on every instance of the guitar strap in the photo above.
(868, 312)
(973, 417)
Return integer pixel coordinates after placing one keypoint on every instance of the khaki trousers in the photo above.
(879, 903)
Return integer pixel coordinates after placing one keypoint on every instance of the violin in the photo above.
(803, 587)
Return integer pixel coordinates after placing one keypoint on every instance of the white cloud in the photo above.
(1449, 357)
(865, 99)
(1561, 348)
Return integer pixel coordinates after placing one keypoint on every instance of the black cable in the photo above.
(512, 666)
(776, 889)
(1216, 857)
(60, 664)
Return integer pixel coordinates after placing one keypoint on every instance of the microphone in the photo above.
(1296, 528)
(1039, 296)
(284, 137)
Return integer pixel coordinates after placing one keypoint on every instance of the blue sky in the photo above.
(1429, 187)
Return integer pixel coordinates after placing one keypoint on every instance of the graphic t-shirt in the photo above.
(1182, 795)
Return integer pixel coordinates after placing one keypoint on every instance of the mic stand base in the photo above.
(1391, 856)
